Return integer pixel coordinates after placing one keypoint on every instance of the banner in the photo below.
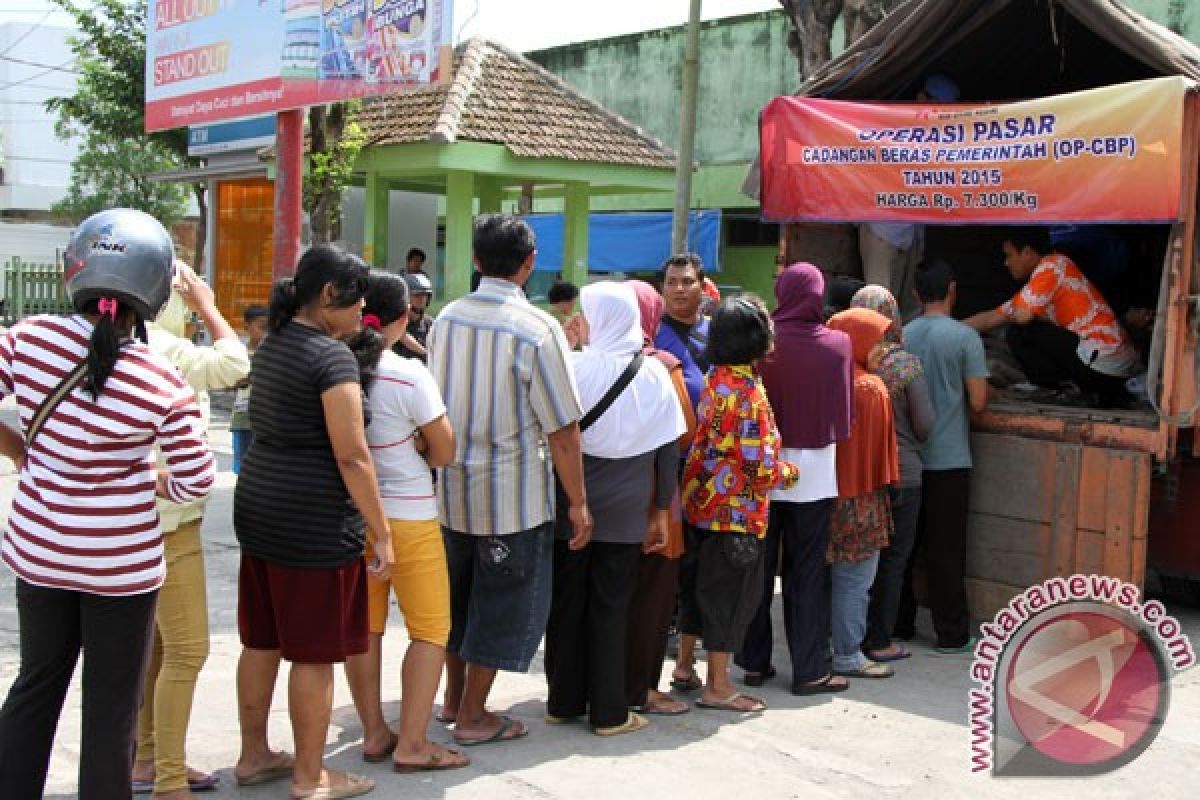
(1105, 155)
(211, 60)
(638, 241)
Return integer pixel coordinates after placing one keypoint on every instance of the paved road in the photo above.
(904, 737)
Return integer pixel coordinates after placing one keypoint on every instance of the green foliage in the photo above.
(335, 140)
(108, 111)
(110, 172)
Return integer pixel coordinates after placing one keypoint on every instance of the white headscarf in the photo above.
(647, 414)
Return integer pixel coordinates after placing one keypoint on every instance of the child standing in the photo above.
(734, 462)
(255, 318)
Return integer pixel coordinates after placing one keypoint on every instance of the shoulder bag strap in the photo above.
(614, 391)
(64, 388)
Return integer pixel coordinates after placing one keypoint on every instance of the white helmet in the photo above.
(124, 254)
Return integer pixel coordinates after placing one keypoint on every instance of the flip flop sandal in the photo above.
(689, 684)
(659, 711)
(266, 775)
(436, 762)
(355, 786)
(206, 784)
(901, 653)
(633, 722)
(871, 669)
(823, 686)
(758, 678)
(501, 735)
(382, 755)
(730, 704)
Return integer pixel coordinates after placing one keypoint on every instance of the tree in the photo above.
(811, 38)
(108, 110)
(112, 172)
(335, 139)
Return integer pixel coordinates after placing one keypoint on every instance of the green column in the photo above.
(375, 221)
(575, 233)
(460, 201)
(491, 195)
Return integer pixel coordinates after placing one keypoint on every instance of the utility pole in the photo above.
(687, 132)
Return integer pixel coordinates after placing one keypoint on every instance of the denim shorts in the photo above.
(499, 595)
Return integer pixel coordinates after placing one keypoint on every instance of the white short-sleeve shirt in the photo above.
(403, 397)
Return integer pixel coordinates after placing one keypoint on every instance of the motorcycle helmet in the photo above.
(418, 283)
(123, 254)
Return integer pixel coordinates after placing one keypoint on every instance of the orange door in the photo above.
(243, 254)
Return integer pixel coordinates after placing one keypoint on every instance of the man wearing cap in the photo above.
(890, 251)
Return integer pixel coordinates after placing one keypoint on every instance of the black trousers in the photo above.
(800, 531)
(1049, 358)
(585, 638)
(942, 542)
(893, 565)
(114, 635)
(650, 611)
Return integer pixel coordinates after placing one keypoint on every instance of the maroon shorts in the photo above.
(310, 615)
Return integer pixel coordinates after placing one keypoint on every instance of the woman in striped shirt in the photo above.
(83, 536)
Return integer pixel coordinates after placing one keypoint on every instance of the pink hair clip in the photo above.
(109, 306)
(372, 321)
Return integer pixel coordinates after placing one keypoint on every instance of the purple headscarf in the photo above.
(810, 375)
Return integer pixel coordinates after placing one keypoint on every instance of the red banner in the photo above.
(1106, 155)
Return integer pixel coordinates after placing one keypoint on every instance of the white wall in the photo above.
(37, 165)
(412, 222)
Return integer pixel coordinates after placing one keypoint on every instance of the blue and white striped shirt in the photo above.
(504, 374)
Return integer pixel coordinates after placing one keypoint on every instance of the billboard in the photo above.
(213, 60)
(1112, 154)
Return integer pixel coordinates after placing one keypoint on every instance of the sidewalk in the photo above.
(897, 738)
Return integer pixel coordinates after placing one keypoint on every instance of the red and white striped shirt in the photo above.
(84, 516)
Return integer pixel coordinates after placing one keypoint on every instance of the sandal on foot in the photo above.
(354, 786)
(664, 708)
(507, 731)
(731, 704)
(688, 684)
(633, 722)
(758, 678)
(901, 653)
(268, 774)
(825, 685)
(382, 755)
(869, 669)
(442, 758)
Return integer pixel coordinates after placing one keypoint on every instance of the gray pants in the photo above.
(888, 266)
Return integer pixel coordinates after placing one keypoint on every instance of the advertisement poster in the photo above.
(1105, 155)
(211, 60)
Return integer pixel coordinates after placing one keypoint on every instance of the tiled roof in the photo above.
(501, 97)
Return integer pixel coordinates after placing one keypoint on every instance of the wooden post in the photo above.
(289, 192)
(18, 289)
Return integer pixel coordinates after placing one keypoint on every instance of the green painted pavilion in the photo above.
(503, 128)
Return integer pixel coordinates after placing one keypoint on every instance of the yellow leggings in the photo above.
(180, 649)
(419, 580)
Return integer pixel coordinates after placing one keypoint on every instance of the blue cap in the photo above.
(941, 88)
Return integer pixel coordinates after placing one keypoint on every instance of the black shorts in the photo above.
(723, 587)
(499, 595)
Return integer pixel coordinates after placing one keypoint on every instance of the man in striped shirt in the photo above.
(502, 367)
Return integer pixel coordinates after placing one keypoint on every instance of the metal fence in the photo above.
(32, 288)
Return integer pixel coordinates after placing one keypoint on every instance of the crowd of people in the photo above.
(590, 479)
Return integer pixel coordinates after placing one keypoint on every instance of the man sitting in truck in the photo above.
(1062, 331)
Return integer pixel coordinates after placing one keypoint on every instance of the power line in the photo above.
(25, 35)
(40, 160)
(50, 67)
(34, 76)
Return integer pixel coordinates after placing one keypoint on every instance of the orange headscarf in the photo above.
(868, 460)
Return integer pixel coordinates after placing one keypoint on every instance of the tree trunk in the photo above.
(200, 191)
(326, 125)
(812, 31)
(862, 15)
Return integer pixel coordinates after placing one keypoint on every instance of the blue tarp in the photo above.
(628, 242)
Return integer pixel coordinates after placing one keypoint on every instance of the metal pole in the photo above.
(289, 191)
(687, 132)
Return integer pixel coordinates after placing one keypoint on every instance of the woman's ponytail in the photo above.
(105, 346)
(283, 305)
(367, 345)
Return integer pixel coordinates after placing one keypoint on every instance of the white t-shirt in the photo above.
(403, 397)
(818, 475)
